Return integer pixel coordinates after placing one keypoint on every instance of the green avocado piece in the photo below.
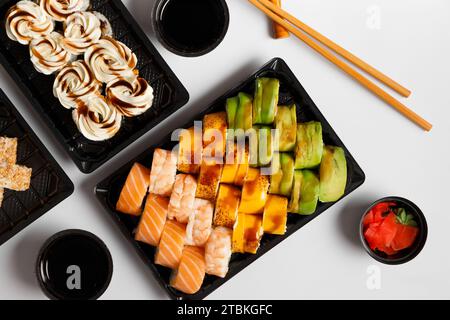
(287, 165)
(277, 175)
(333, 174)
(295, 195)
(309, 194)
(309, 148)
(265, 150)
(267, 92)
(232, 106)
(282, 181)
(286, 124)
(243, 118)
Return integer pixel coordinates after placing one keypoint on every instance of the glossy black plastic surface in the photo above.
(74, 265)
(291, 91)
(170, 94)
(49, 184)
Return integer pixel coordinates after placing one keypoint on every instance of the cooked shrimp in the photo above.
(218, 252)
(200, 223)
(183, 197)
(162, 176)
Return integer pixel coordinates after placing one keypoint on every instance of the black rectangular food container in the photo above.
(169, 93)
(291, 91)
(49, 184)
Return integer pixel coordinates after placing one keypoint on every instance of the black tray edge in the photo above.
(183, 95)
(66, 191)
(101, 189)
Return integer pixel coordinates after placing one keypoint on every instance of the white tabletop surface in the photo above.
(409, 40)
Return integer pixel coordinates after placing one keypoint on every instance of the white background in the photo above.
(324, 259)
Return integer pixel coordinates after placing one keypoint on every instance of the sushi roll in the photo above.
(182, 200)
(189, 276)
(153, 220)
(214, 136)
(171, 245)
(254, 192)
(208, 181)
(227, 206)
(275, 215)
(162, 175)
(247, 233)
(218, 252)
(190, 150)
(134, 190)
(200, 223)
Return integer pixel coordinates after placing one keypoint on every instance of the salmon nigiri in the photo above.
(171, 245)
(200, 223)
(182, 200)
(153, 220)
(218, 252)
(190, 274)
(164, 169)
(134, 190)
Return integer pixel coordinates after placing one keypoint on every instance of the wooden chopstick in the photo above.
(278, 31)
(338, 49)
(400, 107)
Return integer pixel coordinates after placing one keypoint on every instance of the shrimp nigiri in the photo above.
(182, 200)
(200, 223)
(218, 252)
(162, 175)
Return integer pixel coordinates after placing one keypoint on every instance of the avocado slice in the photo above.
(261, 146)
(286, 124)
(309, 149)
(296, 189)
(244, 111)
(333, 174)
(231, 107)
(266, 100)
(309, 194)
(281, 182)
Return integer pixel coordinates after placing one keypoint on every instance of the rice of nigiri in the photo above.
(153, 219)
(199, 227)
(182, 200)
(134, 190)
(162, 175)
(189, 276)
(218, 252)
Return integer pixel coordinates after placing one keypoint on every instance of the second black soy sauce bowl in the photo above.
(74, 265)
(190, 28)
(406, 255)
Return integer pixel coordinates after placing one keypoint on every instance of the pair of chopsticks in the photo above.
(307, 34)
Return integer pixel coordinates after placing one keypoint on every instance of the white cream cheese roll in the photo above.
(73, 82)
(26, 21)
(96, 119)
(131, 97)
(61, 9)
(81, 30)
(48, 55)
(110, 59)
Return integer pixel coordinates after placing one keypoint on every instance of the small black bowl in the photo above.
(409, 253)
(174, 30)
(74, 265)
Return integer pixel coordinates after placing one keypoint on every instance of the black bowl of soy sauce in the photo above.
(191, 28)
(74, 265)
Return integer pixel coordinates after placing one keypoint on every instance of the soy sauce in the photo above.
(74, 265)
(192, 27)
